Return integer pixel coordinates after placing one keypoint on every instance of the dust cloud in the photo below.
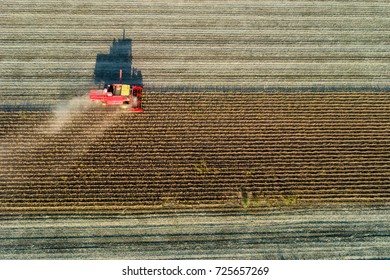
(63, 113)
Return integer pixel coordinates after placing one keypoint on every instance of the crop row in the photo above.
(198, 150)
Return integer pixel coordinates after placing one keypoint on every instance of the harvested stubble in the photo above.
(49, 48)
(360, 233)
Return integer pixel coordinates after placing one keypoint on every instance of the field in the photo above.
(50, 48)
(199, 150)
(264, 120)
(360, 233)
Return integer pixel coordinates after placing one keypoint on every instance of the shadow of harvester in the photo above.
(107, 66)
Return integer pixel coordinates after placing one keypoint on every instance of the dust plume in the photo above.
(63, 113)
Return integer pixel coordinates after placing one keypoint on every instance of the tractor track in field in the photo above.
(345, 233)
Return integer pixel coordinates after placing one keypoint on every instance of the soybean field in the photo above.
(266, 130)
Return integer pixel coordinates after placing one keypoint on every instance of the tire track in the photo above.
(350, 233)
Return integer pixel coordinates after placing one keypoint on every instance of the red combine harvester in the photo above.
(118, 94)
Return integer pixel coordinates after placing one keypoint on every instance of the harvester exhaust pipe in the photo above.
(120, 76)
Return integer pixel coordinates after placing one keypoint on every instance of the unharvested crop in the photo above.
(200, 151)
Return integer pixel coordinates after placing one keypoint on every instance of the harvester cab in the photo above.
(118, 94)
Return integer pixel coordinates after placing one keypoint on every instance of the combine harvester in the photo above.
(118, 94)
